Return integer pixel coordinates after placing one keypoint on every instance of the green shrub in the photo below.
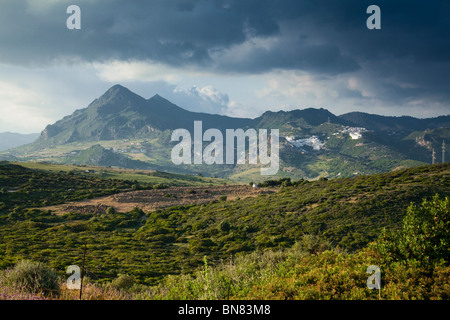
(123, 282)
(224, 226)
(33, 277)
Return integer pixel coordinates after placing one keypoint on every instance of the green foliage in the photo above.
(146, 179)
(425, 236)
(296, 274)
(275, 183)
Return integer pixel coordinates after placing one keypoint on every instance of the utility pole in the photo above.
(443, 151)
(433, 157)
(82, 270)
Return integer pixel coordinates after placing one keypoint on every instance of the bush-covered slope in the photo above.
(412, 263)
(347, 212)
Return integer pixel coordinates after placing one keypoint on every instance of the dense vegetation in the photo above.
(414, 264)
(348, 213)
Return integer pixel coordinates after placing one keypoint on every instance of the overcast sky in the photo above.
(233, 57)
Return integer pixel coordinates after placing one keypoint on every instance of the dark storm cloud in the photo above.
(173, 32)
(186, 31)
(409, 57)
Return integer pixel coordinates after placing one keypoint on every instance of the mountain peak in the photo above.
(118, 87)
(116, 98)
(158, 98)
(117, 90)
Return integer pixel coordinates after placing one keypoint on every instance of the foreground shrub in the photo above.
(32, 277)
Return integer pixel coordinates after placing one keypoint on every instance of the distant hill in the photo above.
(99, 156)
(430, 140)
(297, 119)
(10, 140)
(121, 128)
(395, 124)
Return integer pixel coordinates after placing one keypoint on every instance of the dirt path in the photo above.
(149, 200)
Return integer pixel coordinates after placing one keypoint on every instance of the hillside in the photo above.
(348, 212)
(22, 187)
(99, 156)
(25, 185)
(414, 138)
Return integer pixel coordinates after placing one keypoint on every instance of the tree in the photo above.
(425, 236)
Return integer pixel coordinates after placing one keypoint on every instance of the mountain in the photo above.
(395, 124)
(9, 140)
(123, 129)
(122, 114)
